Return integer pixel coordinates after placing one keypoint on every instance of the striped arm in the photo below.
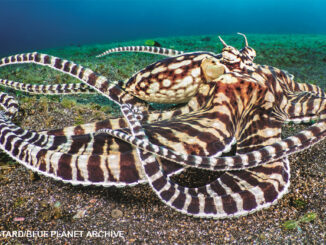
(143, 49)
(267, 154)
(304, 107)
(120, 122)
(312, 88)
(196, 135)
(258, 129)
(231, 195)
(85, 159)
(99, 83)
(301, 87)
(118, 167)
(88, 128)
(70, 88)
(286, 80)
(9, 104)
(149, 117)
(119, 157)
(296, 102)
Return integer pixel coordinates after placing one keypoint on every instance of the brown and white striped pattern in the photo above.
(9, 104)
(70, 88)
(231, 195)
(264, 153)
(143, 49)
(118, 166)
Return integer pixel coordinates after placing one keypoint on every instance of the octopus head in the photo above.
(232, 56)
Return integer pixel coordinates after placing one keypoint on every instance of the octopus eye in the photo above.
(211, 69)
(248, 52)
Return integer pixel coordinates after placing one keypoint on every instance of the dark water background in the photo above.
(27, 25)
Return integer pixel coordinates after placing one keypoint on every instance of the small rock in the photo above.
(80, 214)
(93, 200)
(116, 213)
(34, 176)
(57, 204)
(19, 219)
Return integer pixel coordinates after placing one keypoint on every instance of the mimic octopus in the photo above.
(229, 120)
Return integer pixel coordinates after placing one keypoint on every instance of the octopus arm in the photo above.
(304, 106)
(259, 129)
(52, 89)
(232, 194)
(193, 134)
(80, 160)
(143, 49)
(101, 84)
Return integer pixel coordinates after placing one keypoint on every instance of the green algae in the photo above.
(150, 42)
(294, 224)
(79, 120)
(154, 43)
(68, 103)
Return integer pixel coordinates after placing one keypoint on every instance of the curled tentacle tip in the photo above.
(222, 41)
(246, 41)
